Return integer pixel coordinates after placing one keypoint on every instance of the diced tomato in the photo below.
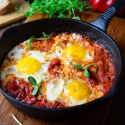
(44, 46)
(54, 67)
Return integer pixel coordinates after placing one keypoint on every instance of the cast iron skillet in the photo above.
(96, 30)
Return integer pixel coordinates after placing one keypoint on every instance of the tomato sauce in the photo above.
(101, 76)
(22, 91)
(42, 45)
(54, 67)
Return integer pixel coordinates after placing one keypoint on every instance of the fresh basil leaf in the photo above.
(34, 92)
(78, 66)
(32, 80)
(86, 73)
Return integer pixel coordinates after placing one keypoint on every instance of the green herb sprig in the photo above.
(45, 37)
(20, 10)
(35, 84)
(61, 8)
(85, 69)
(30, 42)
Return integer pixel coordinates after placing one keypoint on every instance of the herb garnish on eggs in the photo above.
(58, 71)
(85, 69)
(35, 84)
(46, 37)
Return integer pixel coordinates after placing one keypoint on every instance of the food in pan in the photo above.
(57, 71)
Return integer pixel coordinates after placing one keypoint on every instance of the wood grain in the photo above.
(12, 15)
(101, 115)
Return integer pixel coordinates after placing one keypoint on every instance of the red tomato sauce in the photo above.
(54, 67)
(22, 91)
(102, 75)
(42, 45)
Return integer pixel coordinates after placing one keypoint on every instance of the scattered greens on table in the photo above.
(60, 8)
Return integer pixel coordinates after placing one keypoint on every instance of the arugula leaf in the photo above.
(60, 8)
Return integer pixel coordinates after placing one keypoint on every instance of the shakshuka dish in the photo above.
(57, 71)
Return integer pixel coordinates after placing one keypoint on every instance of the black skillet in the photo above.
(96, 30)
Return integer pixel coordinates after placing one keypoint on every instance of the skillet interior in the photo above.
(18, 34)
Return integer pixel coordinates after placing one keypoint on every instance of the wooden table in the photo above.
(111, 111)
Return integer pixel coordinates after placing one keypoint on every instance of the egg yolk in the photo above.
(76, 52)
(28, 65)
(78, 90)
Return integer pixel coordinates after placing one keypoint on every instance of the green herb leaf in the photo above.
(35, 90)
(86, 73)
(89, 65)
(20, 10)
(46, 36)
(76, 18)
(60, 8)
(30, 42)
(35, 84)
(41, 38)
(32, 80)
(78, 66)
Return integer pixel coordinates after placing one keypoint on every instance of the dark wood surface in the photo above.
(110, 112)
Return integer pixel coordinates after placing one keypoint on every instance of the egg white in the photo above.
(54, 89)
(17, 54)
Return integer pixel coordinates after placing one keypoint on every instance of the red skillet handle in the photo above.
(103, 20)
